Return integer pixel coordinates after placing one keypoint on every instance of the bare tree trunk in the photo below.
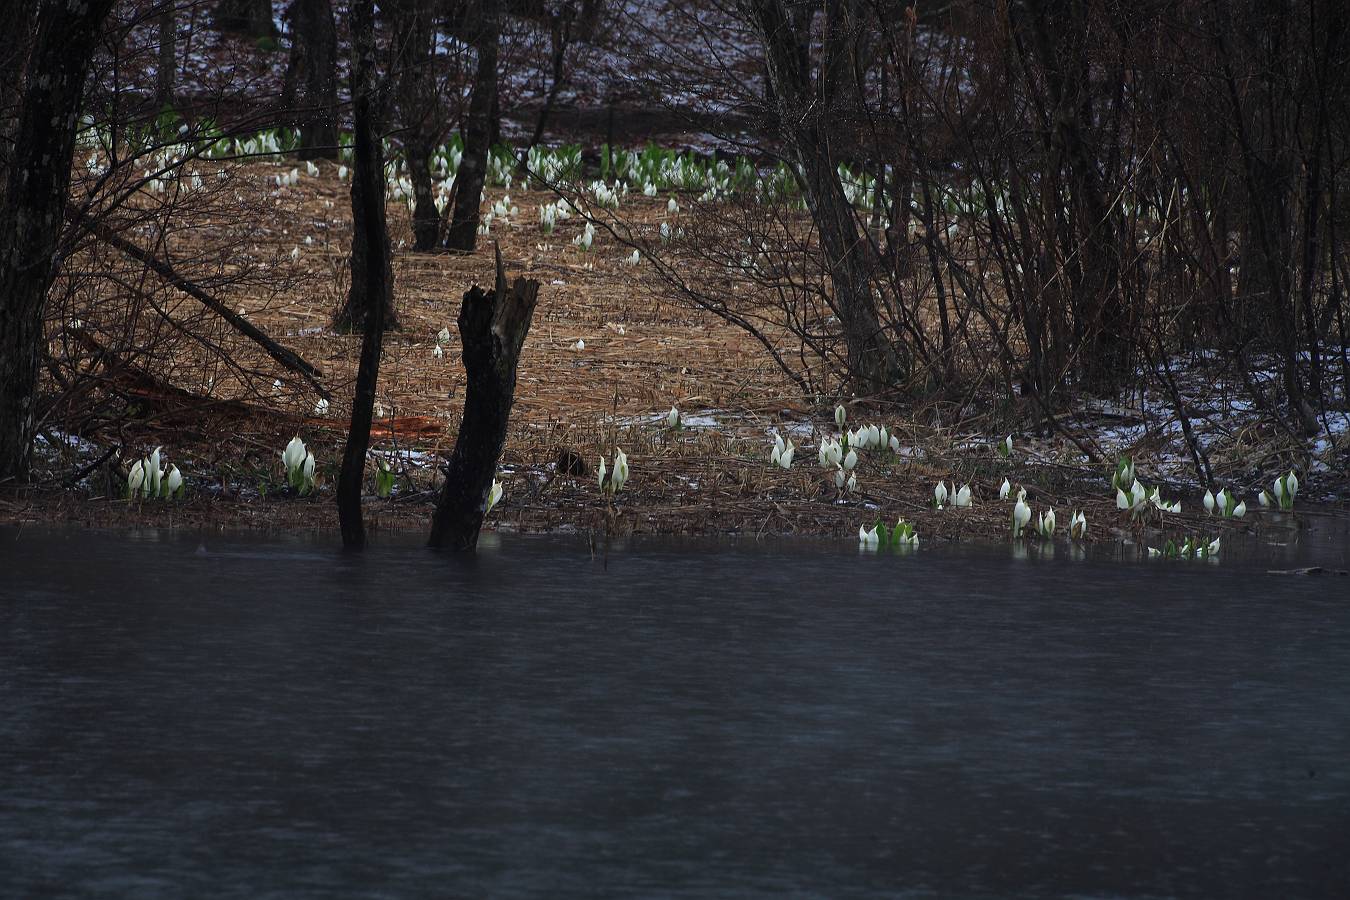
(313, 64)
(33, 207)
(371, 264)
(421, 115)
(252, 18)
(492, 329)
(806, 123)
(167, 63)
(375, 285)
(463, 231)
(16, 41)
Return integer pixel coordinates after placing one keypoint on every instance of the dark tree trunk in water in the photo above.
(164, 68)
(33, 207)
(371, 292)
(492, 328)
(420, 112)
(463, 232)
(313, 65)
(249, 17)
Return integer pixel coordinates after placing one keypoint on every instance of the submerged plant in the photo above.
(1190, 548)
(902, 535)
(1045, 524)
(1021, 516)
(1286, 489)
(1078, 525)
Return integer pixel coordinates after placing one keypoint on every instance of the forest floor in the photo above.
(643, 352)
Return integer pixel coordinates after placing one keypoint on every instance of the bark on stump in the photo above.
(492, 328)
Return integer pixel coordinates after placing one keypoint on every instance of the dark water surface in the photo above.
(268, 718)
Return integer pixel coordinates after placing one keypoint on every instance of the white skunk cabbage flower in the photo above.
(839, 479)
(1240, 510)
(579, 345)
(173, 481)
(1209, 502)
(1005, 447)
(1286, 489)
(494, 495)
(1045, 524)
(617, 476)
(135, 478)
(782, 452)
(831, 453)
(307, 473)
(321, 408)
(962, 500)
(940, 495)
(1263, 498)
(850, 460)
(1004, 490)
(867, 538)
(1154, 553)
(1020, 517)
(673, 418)
(154, 475)
(852, 484)
(1078, 524)
(443, 336)
(437, 352)
(293, 457)
(635, 258)
(840, 416)
(1213, 548)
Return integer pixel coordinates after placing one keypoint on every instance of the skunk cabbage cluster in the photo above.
(902, 535)
(148, 481)
(1191, 548)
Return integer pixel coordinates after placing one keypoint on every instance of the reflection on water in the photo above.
(250, 718)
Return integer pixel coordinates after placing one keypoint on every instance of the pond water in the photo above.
(233, 716)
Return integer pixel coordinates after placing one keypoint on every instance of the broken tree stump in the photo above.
(492, 329)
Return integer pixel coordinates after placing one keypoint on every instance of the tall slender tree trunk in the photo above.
(420, 113)
(252, 18)
(32, 208)
(370, 293)
(463, 231)
(370, 234)
(313, 67)
(167, 62)
(806, 123)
